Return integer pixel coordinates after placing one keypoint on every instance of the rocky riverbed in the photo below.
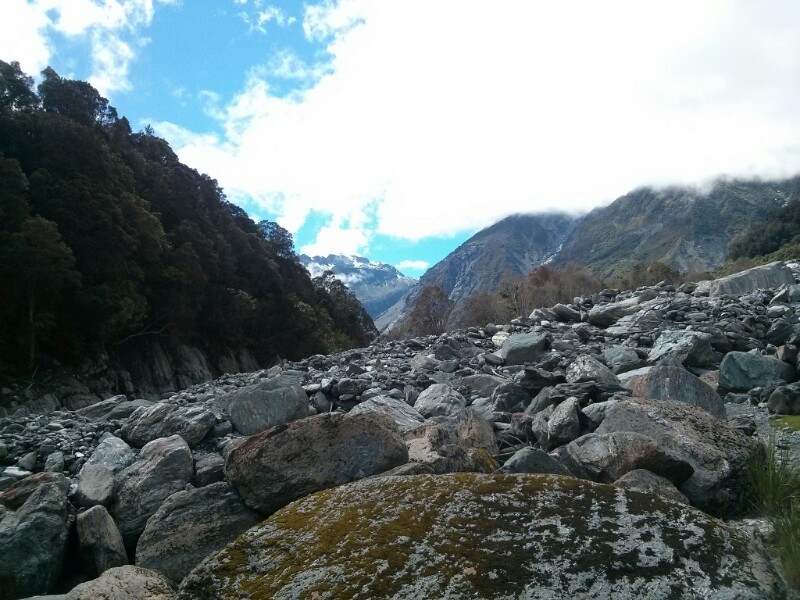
(580, 436)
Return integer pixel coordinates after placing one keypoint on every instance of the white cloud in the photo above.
(443, 117)
(110, 27)
(263, 15)
(412, 265)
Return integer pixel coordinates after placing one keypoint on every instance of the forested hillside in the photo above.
(106, 237)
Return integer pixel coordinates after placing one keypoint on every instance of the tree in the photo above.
(278, 238)
(482, 307)
(16, 88)
(430, 312)
(77, 100)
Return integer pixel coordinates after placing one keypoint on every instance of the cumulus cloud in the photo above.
(412, 265)
(262, 15)
(444, 117)
(111, 28)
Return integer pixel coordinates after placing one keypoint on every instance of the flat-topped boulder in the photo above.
(772, 275)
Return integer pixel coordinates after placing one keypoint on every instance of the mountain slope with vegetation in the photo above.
(106, 239)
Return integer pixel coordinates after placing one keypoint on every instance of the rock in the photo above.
(785, 400)
(33, 541)
(564, 425)
(125, 583)
(742, 371)
(482, 384)
(99, 409)
(677, 384)
(771, 275)
(27, 462)
(16, 494)
(125, 409)
(566, 313)
(510, 397)
(470, 430)
(587, 368)
(716, 451)
(54, 463)
(163, 468)
(605, 457)
(439, 400)
(487, 536)
(272, 468)
(269, 403)
(100, 541)
(621, 358)
(189, 526)
(436, 446)
(691, 348)
(113, 453)
(208, 469)
(162, 420)
(403, 415)
(533, 460)
(521, 348)
(779, 332)
(643, 480)
(603, 315)
(95, 485)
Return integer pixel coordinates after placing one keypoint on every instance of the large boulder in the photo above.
(772, 275)
(603, 315)
(161, 420)
(742, 371)
(691, 348)
(521, 348)
(439, 400)
(189, 526)
(95, 485)
(588, 368)
(785, 400)
(100, 541)
(125, 583)
(403, 415)
(272, 468)
(33, 542)
(717, 452)
(643, 480)
(17, 493)
(113, 453)
(472, 535)
(268, 403)
(163, 468)
(533, 460)
(676, 383)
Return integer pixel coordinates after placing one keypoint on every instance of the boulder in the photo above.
(95, 485)
(643, 480)
(17, 493)
(469, 429)
(566, 313)
(162, 420)
(272, 468)
(268, 403)
(717, 452)
(621, 358)
(603, 315)
(470, 535)
(482, 384)
(113, 453)
(189, 526)
(437, 448)
(533, 460)
(403, 415)
(679, 385)
(100, 541)
(785, 400)
(125, 409)
(605, 457)
(691, 348)
(742, 371)
(33, 542)
(521, 348)
(439, 400)
(125, 583)
(772, 275)
(587, 368)
(163, 468)
(208, 469)
(564, 425)
(510, 397)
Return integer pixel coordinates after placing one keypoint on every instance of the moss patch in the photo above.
(781, 421)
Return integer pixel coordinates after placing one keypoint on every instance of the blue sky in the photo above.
(395, 129)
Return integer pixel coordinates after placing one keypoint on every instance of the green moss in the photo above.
(780, 421)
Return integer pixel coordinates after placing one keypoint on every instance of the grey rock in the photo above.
(564, 425)
(533, 460)
(482, 384)
(621, 358)
(113, 453)
(125, 583)
(27, 462)
(587, 368)
(125, 409)
(785, 400)
(189, 526)
(403, 415)
(272, 468)
(510, 397)
(469, 428)
(772, 275)
(604, 315)
(54, 462)
(208, 469)
(690, 347)
(742, 371)
(18, 493)
(643, 480)
(521, 348)
(33, 541)
(539, 536)
(678, 384)
(439, 400)
(266, 404)
(779, 332)
(100, 541)
(437, 447)
(164, 467)
(95, 485)
(566, 313)
(161, 420)
(100, 409)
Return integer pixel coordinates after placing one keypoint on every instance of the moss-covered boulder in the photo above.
(470, 535)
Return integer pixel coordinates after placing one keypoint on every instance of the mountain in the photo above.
(683, 227)
(513, 246)
(376, 285)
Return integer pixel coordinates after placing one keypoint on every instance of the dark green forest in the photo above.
(106, 239)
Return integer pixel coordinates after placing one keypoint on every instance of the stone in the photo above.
(510, 397)
(439, 400)
(436, 446)
(587, 368)
(742, 371)
(717, 452)
(772, 275)
(18, 493)
(564, 425)
(533, 460)
(691, 348)
(125, 583)
(208, 469)
(125, 409)
(272, 468)
(33, 542)
(679, 385)
(785, 400)
(643, 480)
(470, 430)
(482, 384)
(113, 453)
(189, 526)
(521, 348)
(27, 462)
(100, 541)
(403, 415)
(487, 536)
(605, 457)
(621, 358)
(100, 409)
(566, 313)
(164, 467)
(54, 463)
(266, 404)
(162, 420)
(604, 315)
(779, 332)
(95, 485)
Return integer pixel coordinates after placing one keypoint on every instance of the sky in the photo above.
(396, 129)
